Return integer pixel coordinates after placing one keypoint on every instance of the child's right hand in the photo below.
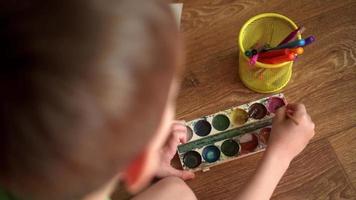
(287, 138)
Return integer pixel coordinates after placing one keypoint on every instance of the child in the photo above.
(87, 100)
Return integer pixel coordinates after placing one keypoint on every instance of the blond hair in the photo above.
(76, 75)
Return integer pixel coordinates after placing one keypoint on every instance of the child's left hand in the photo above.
(178, 135)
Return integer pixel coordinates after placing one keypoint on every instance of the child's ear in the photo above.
(139, 173)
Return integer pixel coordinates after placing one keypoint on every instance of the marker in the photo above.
(292, 35)
(296, 43)
(309, 40)
(248, 53)
(254, 52)
(253, 59)
(255, 49)
(298, 50)
(278, 59)
(274, 53)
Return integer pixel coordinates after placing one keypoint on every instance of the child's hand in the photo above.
(287, 138)
(178, 135)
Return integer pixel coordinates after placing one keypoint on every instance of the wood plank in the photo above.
(324, 78)
(212, 26)
(345, 148)
(315, 174)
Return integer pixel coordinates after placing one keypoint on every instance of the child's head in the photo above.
(84, 88)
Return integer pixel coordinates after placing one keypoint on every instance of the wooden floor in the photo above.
(324, 79)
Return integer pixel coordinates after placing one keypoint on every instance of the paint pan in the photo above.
(239, 116)
(274, 103)
(257, 111)
(189, 133)
(202, 128)
(248, 142)
(221, 122)
(264, 135)
(211, 154)
(229, 134)
(230, 148)
(192, 159)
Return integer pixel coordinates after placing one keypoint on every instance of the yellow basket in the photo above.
(266, 28)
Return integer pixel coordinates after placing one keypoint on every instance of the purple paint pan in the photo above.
(274, 103)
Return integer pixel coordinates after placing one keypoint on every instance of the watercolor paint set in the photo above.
(230, 134)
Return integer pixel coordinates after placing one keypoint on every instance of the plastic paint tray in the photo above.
(230, 134)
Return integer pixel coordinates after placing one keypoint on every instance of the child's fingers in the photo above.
(171, 171)
(280, 114)
(182, 136)
(173, 142)
(179, 137)
(309, 118)
(298, 110)
(178, 122)
(178, 127)
(185, 175)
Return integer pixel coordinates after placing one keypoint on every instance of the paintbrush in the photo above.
(290, 116)
(252, 114)
(292, 35)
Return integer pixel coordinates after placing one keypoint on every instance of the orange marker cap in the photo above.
(298, 50)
